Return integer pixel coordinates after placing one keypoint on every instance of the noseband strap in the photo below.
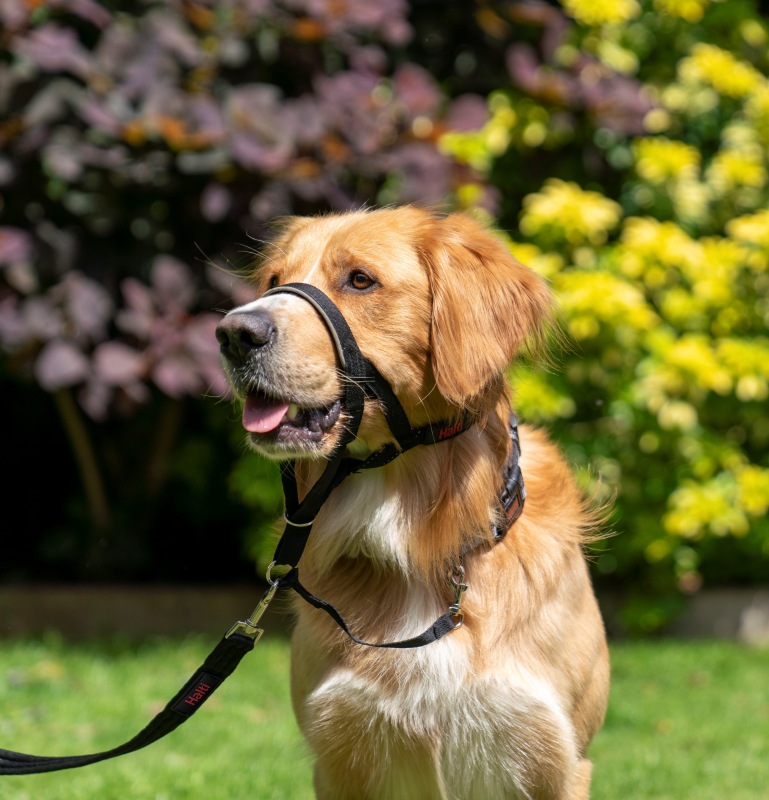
(364, 379)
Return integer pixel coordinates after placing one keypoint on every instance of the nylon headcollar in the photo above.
(365, 380)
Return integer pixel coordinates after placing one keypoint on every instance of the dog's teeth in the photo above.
(293, 411)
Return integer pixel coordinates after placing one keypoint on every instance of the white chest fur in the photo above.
(421, 724)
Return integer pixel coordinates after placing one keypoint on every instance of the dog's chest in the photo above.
(366, 520)
(425, 715)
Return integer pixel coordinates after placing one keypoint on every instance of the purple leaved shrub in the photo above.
(145, 148)
(143, 151)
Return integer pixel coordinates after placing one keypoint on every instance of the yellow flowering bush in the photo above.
(690, 10)
(566, 212)
(659, 159)
(754, 229)
(601, 12)
(723, 71)
(653, 231)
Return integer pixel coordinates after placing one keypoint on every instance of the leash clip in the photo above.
(456, 578)
(249, 627)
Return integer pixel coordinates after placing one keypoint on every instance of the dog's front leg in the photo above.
(580, 789)
(409, 776)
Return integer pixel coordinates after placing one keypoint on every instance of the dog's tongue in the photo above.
(261, 415)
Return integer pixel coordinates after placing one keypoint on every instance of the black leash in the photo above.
(365, 381)
(219, 665)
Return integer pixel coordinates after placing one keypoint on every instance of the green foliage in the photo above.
(623, 144)
(662, 272)
(254, 480)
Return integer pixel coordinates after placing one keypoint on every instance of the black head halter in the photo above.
(363, 380)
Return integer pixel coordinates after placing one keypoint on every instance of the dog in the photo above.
(506, 704)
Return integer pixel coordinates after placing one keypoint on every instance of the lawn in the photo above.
(687, 720)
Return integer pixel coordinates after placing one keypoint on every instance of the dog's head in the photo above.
(436, 303)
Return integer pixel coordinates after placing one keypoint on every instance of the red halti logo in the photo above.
(445, 433)
(201, 690)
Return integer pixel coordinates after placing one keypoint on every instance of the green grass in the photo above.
(685, 721)
(59, 699)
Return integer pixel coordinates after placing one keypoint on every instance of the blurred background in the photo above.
(620, 146)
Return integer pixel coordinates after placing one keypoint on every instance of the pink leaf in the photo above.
(60, 364)
(176, 376)
(117, 364)
(173, 283)
(89, 305)
(15, 246)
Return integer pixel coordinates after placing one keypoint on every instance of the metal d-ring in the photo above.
(274, 581)
(297, 525)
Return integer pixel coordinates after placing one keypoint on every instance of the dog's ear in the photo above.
(486, 306)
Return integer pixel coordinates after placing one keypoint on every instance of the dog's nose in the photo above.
(241, 333)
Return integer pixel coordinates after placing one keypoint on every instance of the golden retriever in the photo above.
(506, 705)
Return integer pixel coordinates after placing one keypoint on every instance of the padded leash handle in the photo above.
(220, 663)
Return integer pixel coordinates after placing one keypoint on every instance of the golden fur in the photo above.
(505, 706)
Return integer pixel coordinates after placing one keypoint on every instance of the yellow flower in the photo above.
(720, 69)
(614, 55)
(469, 195)
(729, 170)
(748, 362)
(591, 298)
(690, 10)
(479, 148)
(752, 228)
(753, 490)
(697, 508)
(713, 279)
(601, 12)
(646, 244)
(703, 290)
(740, 162)
(694, 359)
(537, 400)
(544, 263)
(570, 213)
(659, 159)
(692, 99)
(681, 308)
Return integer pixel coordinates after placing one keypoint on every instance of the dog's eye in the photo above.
(360, 281)
(273, 282)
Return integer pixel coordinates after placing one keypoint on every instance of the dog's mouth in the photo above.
(272, 420)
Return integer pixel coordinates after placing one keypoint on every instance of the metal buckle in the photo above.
(456, 578)
(248, 627)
